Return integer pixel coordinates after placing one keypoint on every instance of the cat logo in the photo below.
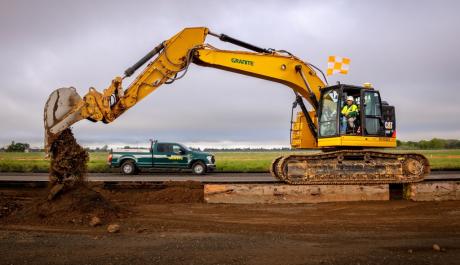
(388, 125)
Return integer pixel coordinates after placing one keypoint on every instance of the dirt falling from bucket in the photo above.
(68, 164)
(70, 198)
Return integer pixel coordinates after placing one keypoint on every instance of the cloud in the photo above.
(407, 49)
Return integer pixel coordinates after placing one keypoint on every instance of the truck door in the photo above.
(160, 154)
(168, 155)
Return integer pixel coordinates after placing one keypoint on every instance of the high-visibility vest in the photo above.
(351, 111)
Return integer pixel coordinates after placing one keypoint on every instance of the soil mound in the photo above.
(69, 199)
(77, 205)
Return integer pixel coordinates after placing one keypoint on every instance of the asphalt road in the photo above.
(208, 178)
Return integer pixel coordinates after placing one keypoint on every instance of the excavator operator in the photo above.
(349, 112)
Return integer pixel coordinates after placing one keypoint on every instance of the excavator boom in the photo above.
(172, 60)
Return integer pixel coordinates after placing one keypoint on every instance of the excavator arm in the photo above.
(173, 57)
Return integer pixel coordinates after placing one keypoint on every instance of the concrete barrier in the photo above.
(432, 191)
(281, 193)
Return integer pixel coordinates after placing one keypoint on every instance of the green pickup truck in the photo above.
(161, 156)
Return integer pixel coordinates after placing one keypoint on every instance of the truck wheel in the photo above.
(128, 168)
(199, 168)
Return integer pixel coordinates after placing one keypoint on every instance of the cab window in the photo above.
(328, 119)
(372, 112)
(164, 148)
(372, 104)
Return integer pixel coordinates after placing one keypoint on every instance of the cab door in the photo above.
(372, 114)
(170, 155)
(160, 155)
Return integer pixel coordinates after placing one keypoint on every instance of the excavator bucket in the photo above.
(61, 111)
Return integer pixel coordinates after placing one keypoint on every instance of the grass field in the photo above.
(226, 161)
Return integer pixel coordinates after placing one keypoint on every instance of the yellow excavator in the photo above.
(348, 155)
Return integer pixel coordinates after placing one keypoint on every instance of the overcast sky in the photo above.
(409, 50)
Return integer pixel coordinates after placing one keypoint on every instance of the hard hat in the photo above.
(350, 98)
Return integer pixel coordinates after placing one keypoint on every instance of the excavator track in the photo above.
(351, 167)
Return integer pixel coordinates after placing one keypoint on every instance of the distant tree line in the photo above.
(17, 147)
(434, 143)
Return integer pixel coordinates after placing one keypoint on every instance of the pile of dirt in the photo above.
(77, 205)
(70, 199)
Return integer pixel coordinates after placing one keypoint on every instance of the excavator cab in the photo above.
(374, 125)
